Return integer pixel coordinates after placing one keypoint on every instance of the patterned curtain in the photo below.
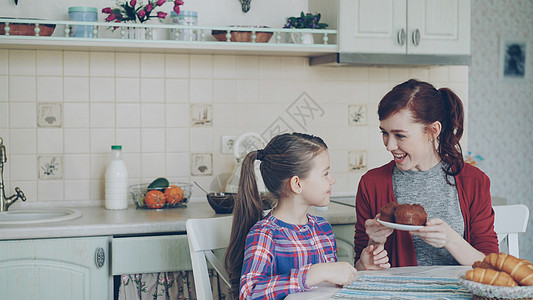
(167, 286)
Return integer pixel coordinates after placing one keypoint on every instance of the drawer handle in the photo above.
(99, 257)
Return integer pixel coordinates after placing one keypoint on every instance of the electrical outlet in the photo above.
(226, 144)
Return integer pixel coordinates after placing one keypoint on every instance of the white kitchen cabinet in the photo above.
(435, 27)
(67, 268)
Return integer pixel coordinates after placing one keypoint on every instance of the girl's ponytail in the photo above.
(247, 210)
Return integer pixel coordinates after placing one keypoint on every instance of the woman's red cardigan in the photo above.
(473, 187)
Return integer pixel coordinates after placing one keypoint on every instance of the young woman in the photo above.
(421, 127)
(288, 250)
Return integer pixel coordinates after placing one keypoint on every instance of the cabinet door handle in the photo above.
(416, 37)
(99, 257)
(401, 37)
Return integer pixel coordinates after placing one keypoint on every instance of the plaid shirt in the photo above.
(278, 255)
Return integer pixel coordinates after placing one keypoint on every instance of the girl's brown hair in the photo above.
(286, 155)
(428, 105)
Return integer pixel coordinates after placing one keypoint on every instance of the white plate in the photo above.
(399, 226)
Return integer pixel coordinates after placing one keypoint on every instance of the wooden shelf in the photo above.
(112, 41)
(164, 46)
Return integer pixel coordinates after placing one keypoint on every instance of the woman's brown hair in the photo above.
(428, 105)
(286, 155)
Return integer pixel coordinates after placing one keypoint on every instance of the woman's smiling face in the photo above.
(411, 146)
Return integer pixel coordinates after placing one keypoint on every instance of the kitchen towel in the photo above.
(403, 287)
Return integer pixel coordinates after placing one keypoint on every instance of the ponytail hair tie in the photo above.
(260, 155)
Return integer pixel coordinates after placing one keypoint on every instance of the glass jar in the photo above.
(185, 18)
(82, 14)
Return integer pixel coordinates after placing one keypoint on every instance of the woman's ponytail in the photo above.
(452, 130)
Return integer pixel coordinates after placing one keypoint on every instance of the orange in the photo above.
(155, 199)
(174, 194)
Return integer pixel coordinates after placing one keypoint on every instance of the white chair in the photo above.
(206, 235)
(509, 220)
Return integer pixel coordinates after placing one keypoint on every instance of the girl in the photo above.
(288, 250)
(421, 127)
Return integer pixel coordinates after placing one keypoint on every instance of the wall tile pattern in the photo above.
(501, 112)
(144, 102)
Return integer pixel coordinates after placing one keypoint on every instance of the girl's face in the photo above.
(409, 143)
(316, 187)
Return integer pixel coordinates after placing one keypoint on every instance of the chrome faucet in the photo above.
(5, 202)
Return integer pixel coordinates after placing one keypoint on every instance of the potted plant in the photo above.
(305, 20)
(134, 11)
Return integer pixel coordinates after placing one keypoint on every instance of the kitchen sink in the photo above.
(30, 216)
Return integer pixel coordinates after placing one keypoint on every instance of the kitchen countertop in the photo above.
(97, 221)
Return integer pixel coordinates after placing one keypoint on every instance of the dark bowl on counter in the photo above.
(222, 203)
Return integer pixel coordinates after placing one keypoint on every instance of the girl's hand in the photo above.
(340, 273)
(376, 232)
(373, 257)
(436, 233)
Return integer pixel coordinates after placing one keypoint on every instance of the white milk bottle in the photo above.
(116, 181)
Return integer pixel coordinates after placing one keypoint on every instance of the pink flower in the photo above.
(161, 14)
(110, 18)
(141, 13)
(149, 7)
(177, 9)
(160, 2)
(107, 10)
(133, 3)
(177, 4)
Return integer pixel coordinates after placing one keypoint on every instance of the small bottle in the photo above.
(116, 181)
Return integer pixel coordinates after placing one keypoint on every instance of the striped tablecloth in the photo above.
(403, 287)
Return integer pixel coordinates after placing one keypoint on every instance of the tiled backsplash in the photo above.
(60, 111)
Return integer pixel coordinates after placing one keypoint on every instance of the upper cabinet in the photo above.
(434, 27)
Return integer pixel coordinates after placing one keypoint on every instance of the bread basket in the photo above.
(486, 291)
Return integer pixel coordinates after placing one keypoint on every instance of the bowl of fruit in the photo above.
(160, 194)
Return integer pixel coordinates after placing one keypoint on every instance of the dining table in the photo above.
(419, 282)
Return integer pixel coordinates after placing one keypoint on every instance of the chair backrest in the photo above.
(509, 220)
(206, 235)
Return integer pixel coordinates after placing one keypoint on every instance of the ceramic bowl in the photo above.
(243, 36)
(222, 203)
(27, 29)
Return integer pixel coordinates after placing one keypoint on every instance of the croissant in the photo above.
(521, 270)
(490, 276)
(482, 265)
